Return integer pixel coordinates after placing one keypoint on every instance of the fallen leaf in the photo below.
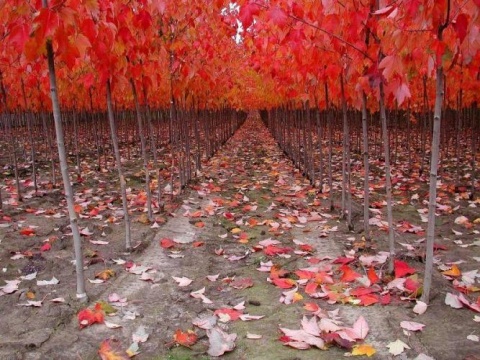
(182, 281)
(111, 325)
(227, 314)
(454, 271)
(105, 274)
(167, 243)
(363, 349)
(253, 336)
(205, 322)
(140, 335)
(53, 281)
(397, 347)
(110, 349)
(220, 342)
(87, 317)
(133, 350)
(412, 326)
(402, 269)
(420, 307)
(473, 338)
(452, 300)
(186, 339)
(361, 328)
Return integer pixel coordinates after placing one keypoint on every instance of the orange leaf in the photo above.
(311, 307)
(198, 243)
(284, 283)
(110, 350)
(368, 299)
(349, 274)
(454, 271)
(77, 208)
(105, 274)
(200, 224)
(372, 276)
(187, 338)
(277, 272)
(363, 349)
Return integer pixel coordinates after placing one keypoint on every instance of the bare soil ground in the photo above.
(248, 196)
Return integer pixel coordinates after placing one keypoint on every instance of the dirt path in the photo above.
(251, 210)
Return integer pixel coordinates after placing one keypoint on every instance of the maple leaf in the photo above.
(402, 269)
(284, 283)
(246, 14)
(227, 314)
(277, 16)
(87, 317)
(105, 274)
(363, 349)
(110, 349)
(27, 232)
(167, 243)
(220, 342)
(460, 26)
(372, 275)
(454, 271)
(349, 274)
(186, 339)
(397, 347)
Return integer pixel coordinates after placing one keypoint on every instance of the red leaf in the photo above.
(311, 307)
(349, 274)
(368, 299)
(19, 36)
(246, 14)
(232, 313)
(277, 16)
(460, 25)
(360, 291)
(187, 338)
(167, 243)
(46, 247)
(305, 274)
(198, 243)
(402, 269)
(343, 260)
(87, 317)
(272, 250)
(311, 288)
(47, 22)
(372, 276)
(284, 283)
(27, 232)
(385, 299)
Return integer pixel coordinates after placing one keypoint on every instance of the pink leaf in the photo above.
(412, 326)
(361, 328)
(220, 342)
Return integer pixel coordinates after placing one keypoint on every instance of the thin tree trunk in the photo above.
(330, 147)
(144, 151)
(346, 190)
(81, 294)
(32, 140)
(366, 190)
(388, 181)
(118, 162)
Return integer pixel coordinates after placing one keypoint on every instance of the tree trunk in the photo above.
(118, 162)
(77, 242)
(144, 151)
(388, 181)
(366, 190)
